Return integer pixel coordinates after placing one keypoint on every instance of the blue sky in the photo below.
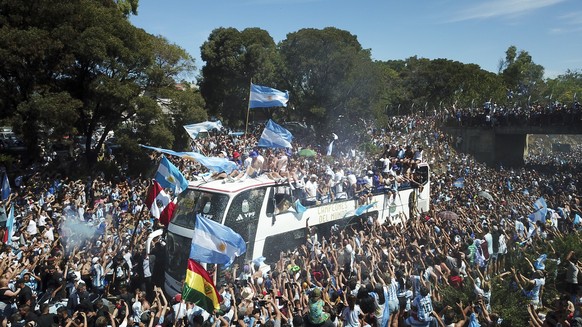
(474, 31)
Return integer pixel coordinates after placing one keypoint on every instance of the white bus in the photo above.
(260, 211)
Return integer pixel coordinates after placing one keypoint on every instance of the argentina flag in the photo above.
(264, 97)
(215, 243)
(215, 164)
(541, 210)
(459, 183)
(169, 176)
(275, 136)
(194, 129)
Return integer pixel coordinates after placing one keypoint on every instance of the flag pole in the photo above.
(137, 217)
(248, 111)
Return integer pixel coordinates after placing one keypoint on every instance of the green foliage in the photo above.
(127, 7)
(509, 304)
(519, 72)
(187, 107)
(77, 66)
(330, 75)
(7, 161)
(507, 301)
(565, 88)
(369, 148)
(234, 58)
(58, 111)
(450, 82)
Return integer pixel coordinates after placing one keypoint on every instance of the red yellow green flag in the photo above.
(199, 288)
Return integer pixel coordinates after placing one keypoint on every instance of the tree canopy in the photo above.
(75, 67)
(234, 58)
(331, 77)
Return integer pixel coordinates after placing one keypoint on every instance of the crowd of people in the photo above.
(80, 257)
(535, 114)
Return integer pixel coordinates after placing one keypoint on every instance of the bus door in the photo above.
(243, 216)
(283, 217)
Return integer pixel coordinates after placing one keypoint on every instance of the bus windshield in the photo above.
(192, 202)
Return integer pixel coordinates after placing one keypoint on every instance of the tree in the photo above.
(333, 80)
(565, 88)
(81, 66)
(127, 7)
(429, 83)
(520, 74)
(232, 59)
(187, 107)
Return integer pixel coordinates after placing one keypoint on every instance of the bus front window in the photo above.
(192, 202)
(243, 216)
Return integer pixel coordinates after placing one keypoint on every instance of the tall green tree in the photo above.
(520, 74)
(332, 78)
(81, 66)
(232, 58)
(565, 88)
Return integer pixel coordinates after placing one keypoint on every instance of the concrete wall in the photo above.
(493, 148)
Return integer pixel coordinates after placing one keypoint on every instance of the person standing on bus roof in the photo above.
(311, 191)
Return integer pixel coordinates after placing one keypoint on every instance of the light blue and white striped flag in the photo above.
(169, 176)
(215, 164)
(215, 243)
(275, 136)
(541, 211)
(194, 129)
(265, 97)
(364, 208)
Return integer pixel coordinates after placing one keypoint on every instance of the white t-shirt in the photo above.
(42, 220)
(311, 190)
(31, 228)
(352, 179)
(489, 238)
(369, 180)
(49, 234)
(502, 245)
(520, 228)
(137, 311)
(351, 317)
(180, 310)
(535, 291)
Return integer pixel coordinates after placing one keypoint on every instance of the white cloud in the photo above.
(501, 8)
(573, 18)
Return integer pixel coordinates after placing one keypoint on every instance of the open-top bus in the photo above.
(260, 210)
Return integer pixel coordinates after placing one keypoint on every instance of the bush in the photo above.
(507, 301)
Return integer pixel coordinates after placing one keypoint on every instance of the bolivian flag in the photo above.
(199, 288)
